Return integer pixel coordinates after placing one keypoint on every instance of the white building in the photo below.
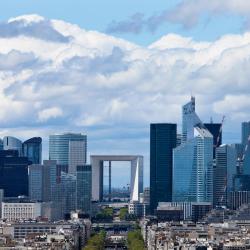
(13, 211)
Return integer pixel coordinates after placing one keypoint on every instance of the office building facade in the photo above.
(225, 170)
(216, 130)
(68, 149)
(32, 149)
(13, 173)
(193, 168)
(163, 139)
(84, 188)
(12, 143)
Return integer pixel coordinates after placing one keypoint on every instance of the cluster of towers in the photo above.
(195, 166)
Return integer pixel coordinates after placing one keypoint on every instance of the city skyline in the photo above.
(105, 73)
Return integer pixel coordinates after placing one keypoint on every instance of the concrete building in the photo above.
(136, 177)
(13, 211)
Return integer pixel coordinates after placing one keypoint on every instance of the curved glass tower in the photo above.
(12, 143)
(32, 149)
(69, 150)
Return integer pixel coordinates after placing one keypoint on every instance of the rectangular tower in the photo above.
(84, 188)
(163, 139)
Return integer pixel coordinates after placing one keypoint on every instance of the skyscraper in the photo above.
(163, 139)
(42, 180)
(224, 172)
(215, 130)
(189, 120)
(69, 150)
(245, 132)
(13, 173)
(245, 135)
(84, 188)
(193, 168)
(36, 182)
(32, 149)
(12, 143)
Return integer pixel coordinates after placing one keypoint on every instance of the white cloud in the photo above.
(46, 114)
(93, 79)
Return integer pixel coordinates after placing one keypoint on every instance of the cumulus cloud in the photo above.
(46, 114)
(31, 26)
(96, 80)
(187, 13)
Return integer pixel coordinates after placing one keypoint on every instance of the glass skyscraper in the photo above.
(68, 149)
(189, 120)
(12, 143)
(32, 149)
(163, 137)
(224, 172)
(13, 173)
(215, 130)
(193, 168)
(84, 188)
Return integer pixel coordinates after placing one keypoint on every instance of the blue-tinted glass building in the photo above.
(32, 149)
(224, 172)
(12, 143)
(64, 149)
(163, 137)
(13, 173)
(84, 188)
(193, 168)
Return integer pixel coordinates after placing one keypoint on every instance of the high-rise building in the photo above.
(245, 132)
(189, 120)
(36, 182)
(1, 144)
(68, 150)
(12, 143)
(13, 173)
(224, 171)
(32, 149)
(245, 141)
(163, 139)
(77, 154)
(215, 130)
(42, 180)
(193, 168)
(84, 188)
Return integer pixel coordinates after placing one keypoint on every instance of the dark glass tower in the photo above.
(163, 138)
(214, 129)
(32, 149)
(13, 173)
(84, 188)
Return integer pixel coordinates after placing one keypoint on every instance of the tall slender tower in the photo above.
(163, 139)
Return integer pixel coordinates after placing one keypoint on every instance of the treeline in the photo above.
(135, 240)
(96, 242)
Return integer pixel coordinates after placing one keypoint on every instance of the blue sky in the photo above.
(97, 15)
(58, 77)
